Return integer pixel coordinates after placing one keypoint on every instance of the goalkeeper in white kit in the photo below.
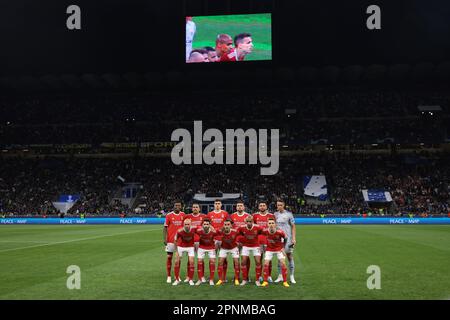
(286, 222)
(190, 34)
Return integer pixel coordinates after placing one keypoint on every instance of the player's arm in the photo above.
(196, 243)
(293, 229)
(219, 242)
(165, 235)
(166, 226)
(239, 244)
(175, 241)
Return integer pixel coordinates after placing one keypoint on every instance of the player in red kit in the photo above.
(276, 239)
(196, 222)
(207, 245)
(250, 245)
(228, 245)
(238, 219)
(184, 242)
(218, 217)
(196, 216)
(174, 221)
(261, 218)
(239, 216)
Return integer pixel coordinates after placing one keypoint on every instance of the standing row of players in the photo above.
(240, 234)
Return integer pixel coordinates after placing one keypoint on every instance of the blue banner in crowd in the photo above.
(372, 195)
(134, 220)
(315, 186)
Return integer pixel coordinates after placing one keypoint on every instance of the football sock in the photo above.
(169, 265)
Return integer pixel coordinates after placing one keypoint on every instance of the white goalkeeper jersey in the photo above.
(190, 33)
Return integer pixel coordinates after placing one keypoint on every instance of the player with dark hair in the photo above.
(218, 216)
(212, 54)
(206, 246)
(243, 45)
(228, 245)
(238, 219)
(196, 216)
(173, 222)
(250, 245)
(239, 216)
(261, 218)
(184, 242)
(275, 244)
(286, 222)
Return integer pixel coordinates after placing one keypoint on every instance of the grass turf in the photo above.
(128, 262)
(258, 25)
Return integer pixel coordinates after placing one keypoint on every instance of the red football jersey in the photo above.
(250, 236)
(206, 240)
(230, 57)
(218, 218)
(185, 239)
(261, 219)
(228, 239)
(275, 241)
(196, 220)
(239, 220)
(173, 223)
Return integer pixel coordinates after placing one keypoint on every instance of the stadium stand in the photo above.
(358, 138)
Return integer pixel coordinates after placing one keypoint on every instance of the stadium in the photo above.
(88, 181)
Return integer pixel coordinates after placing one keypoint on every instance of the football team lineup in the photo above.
(261, 234)
(129, 262)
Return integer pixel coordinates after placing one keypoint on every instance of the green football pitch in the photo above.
(128, 262)
(258, 25)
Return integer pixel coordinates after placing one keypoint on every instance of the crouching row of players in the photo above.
(199, 237)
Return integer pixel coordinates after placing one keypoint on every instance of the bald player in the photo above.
(224, 45)
(197, 57)
(203, 52)
(243, 43)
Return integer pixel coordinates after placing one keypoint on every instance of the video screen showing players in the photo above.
(229, 38)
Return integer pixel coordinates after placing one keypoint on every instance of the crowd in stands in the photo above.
(418, 184)
(344, 117)
(319, 117)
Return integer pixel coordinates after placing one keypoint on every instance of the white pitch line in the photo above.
(74, 240)
(22, 241)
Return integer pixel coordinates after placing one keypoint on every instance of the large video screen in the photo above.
(229, 38)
